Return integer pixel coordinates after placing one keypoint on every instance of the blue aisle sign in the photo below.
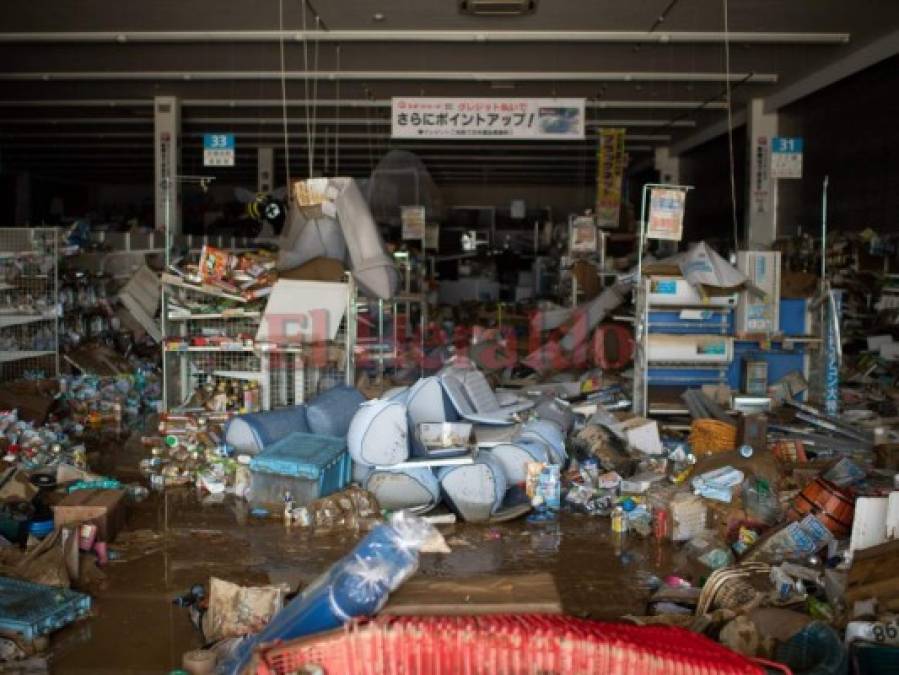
(786, 157)
(218, 149)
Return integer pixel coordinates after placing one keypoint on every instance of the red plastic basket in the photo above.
(481, 645)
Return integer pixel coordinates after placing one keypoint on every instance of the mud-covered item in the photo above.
(31, 610)
(103, 508)
(236, 610)
(356, 586)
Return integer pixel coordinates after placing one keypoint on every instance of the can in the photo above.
(660, 523)
(619, 520)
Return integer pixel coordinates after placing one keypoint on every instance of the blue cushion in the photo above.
(254, 431)
(331, 412)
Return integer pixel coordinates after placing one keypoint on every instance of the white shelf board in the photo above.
(8, 357)
(7, 320)
(175, 316)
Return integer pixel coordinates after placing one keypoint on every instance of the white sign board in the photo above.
(666, 214)
(413, 219)
(488, 118)
(786, 157)
(218, 149)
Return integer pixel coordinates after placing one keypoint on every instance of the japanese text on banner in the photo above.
(609, 175)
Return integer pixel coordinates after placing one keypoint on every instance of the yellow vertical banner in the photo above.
(609, 175)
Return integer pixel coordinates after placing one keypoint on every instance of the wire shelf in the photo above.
(29, 302)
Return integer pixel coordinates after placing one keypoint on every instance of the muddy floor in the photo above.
(179, 537)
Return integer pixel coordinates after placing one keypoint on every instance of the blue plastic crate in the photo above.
(33, 610)
(309, 466)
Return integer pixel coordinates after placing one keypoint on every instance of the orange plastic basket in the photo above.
(526, 644)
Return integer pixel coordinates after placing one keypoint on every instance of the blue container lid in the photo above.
(299, 455)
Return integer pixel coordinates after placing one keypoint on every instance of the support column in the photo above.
(265, 169)
(667, 165)
(22, 214)
(166, 140)
(761, 198)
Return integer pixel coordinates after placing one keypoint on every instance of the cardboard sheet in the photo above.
(301, 312)
(495, 594)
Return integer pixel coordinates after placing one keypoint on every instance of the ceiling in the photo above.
(78, 77)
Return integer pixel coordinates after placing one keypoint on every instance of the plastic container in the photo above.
(502, 643)
(33, 610)
(829, 503)
(306, 465)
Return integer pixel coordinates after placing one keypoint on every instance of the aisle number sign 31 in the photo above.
(786, 157)
(218, 149)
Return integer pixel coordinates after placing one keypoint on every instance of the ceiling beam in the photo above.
(269, 121)
(477, 36)
(391, 75)
(874, 52)
(326, 103)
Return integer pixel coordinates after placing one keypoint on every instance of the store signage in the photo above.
(786, 157)
(413, 219)
(218, 149)
(666, 214)
(610, 163)
(488, 118)
(761, 174)
(582, 235)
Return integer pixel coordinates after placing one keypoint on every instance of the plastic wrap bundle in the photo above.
(343, 226)
(356, 586)
(514, 457)
(414, 489)
(373, 270)
(251, 433)
(550, 435)
(401, 178)
(307, 238)
(379, 433)
(475, 491)
(331, 412)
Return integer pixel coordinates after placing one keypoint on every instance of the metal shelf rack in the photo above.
(29, 301)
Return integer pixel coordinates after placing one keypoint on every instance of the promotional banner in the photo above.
(609, 175)
(666, 214)
(488, 118)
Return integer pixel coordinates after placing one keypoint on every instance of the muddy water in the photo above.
(137, 629)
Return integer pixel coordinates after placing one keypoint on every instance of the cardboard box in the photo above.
(642, 434)
(103, 508)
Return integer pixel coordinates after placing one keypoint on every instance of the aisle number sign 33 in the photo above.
(218, 149)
